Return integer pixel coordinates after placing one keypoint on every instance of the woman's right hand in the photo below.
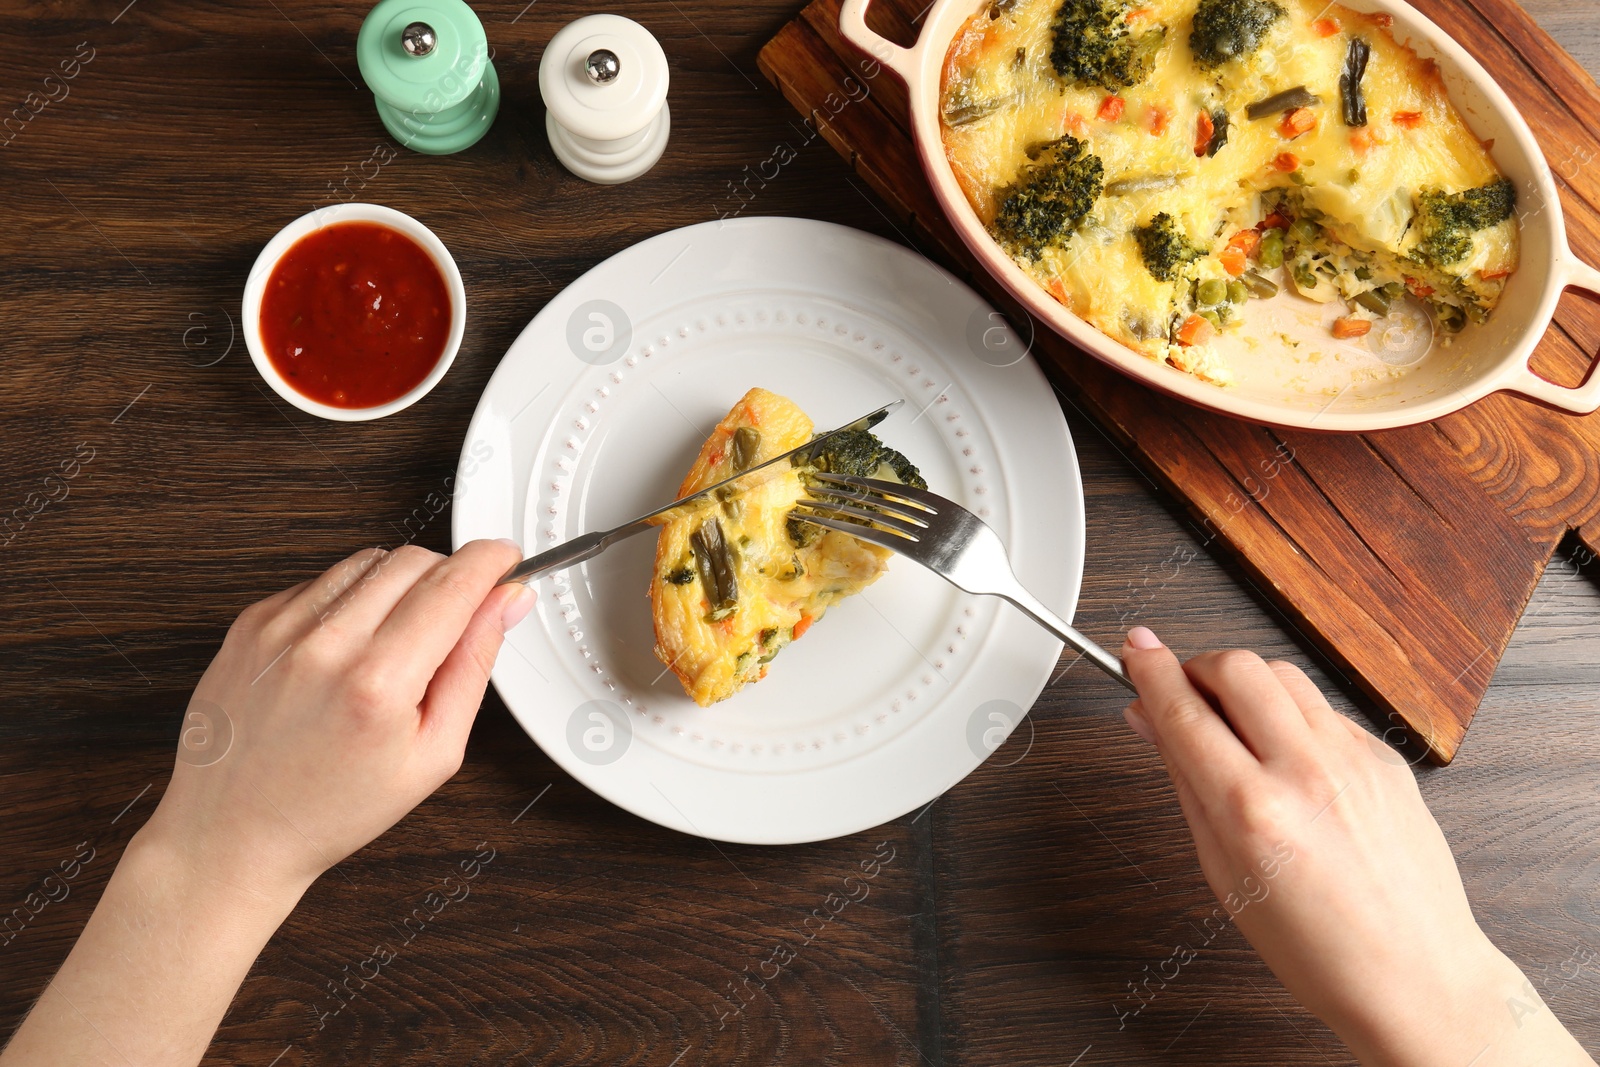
(1314, 836)
(345, 701)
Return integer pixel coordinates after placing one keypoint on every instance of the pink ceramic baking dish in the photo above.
(1483, 359)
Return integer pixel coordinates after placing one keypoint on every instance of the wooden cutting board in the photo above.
(1406, 556)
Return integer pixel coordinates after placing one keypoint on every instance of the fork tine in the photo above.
(917, 498)
(913, 530)
(904, 509)
(894, 542)
(828, 496)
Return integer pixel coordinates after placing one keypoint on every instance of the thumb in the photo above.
(456, 691)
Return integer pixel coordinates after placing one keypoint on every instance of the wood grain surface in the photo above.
(1015, 911)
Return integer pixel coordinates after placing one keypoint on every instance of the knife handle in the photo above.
(565, 554)
(569, 553)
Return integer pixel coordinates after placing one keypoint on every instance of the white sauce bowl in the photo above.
(256, 285)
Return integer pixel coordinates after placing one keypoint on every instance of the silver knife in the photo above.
(589, 545)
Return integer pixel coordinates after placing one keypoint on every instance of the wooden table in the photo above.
(1016, 910)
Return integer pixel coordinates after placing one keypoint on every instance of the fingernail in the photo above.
(518, 604)
(510, 544)
(1139, 724)
(1142, 637)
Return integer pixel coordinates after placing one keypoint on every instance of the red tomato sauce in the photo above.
(355, 315)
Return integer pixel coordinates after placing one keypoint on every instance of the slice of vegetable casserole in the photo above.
(740, 578)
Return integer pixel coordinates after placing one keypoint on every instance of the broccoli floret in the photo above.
(859, 453)
(1091, 45)
(1164, 247)
(1230, 29)
(1050, 197)
(1447, 221)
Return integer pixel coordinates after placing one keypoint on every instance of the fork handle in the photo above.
(1062, 629)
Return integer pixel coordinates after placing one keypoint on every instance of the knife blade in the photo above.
(587, 546)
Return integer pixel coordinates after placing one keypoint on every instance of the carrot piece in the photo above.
(1059, 291)
(1379, 18)
(1350, 326)
(1076, 124)
(1325, 27)
(1157, 118)
(1111, 108)
(1246, 241)
(1203, 129)
(1232, 259)
(1409, 119)
(1275, 221)
(1418, 288)
(802, 626)
(1287, 162)
(1491, 275)
(1298, 121)
(1361, 140)
(1196, 330)
(1138, 13)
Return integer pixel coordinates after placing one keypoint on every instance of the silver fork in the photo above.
(944, 537)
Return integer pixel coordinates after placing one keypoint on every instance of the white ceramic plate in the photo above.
(597, 411)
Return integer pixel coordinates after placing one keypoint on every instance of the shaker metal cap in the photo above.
(602, 66)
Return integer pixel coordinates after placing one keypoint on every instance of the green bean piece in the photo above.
(1219, 131)
(1278, 103)
(1353, 104)
(1260, 288)
(1270, 254)
(714, 562)
(961, 112)
(1144, 183)
(746, 443)
(1374, 301)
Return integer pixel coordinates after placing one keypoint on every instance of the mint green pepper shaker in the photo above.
(427, 63)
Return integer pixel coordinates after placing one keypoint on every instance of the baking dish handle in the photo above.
(1579, 400)
(853, 25)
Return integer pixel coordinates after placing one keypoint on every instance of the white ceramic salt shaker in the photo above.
(604, 83)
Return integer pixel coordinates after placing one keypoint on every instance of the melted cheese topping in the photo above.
(1003, 96)
(781, 588)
